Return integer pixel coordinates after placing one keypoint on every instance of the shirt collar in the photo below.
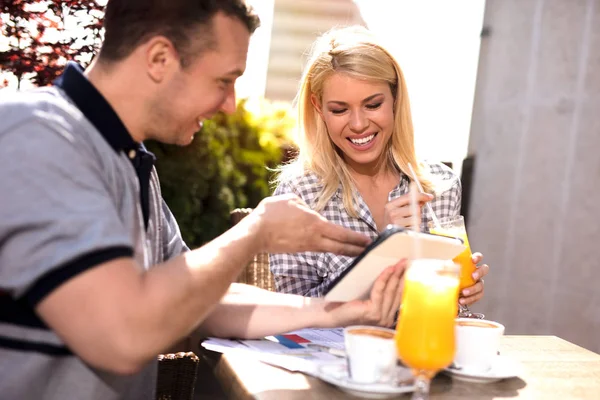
(401, 188)
(95, 108)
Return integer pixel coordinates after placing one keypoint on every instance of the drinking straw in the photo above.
(435, 220)
(412, 190)
(414, 219)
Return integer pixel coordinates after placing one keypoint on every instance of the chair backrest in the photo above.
(177, 373)
(257, 272)
(468, 169)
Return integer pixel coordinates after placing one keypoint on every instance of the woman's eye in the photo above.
(338, 111)
(373, 106)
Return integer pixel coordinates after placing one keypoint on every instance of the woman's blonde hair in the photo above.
(353, 51)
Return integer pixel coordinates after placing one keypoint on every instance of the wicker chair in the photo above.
(177, 374)
(257, 273)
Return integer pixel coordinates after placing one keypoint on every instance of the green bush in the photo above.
(226, 166)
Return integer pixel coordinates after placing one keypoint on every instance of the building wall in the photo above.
(296, 24)
(535, 210)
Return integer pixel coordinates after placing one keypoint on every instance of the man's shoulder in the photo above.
(44, 119)
(43, 124)
(46, 105)
(31, 100)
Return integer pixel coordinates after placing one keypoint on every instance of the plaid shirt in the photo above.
(309, 273)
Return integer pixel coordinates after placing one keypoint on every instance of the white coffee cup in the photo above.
(371, 354)
(477, 343)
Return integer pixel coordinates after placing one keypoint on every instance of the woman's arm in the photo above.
(249, 312)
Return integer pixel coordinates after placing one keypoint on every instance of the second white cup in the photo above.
(477, 343)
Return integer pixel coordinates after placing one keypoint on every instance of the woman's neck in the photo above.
(372, 175)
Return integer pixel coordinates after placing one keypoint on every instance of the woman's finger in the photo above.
(476, 257)
(390, 295)
(398, 295)
(471, 299)
(481, 272)
(378, 290)
(471, 290)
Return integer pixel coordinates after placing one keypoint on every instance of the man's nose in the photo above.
(228, 106)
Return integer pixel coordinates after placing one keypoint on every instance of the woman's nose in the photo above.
(358, 122)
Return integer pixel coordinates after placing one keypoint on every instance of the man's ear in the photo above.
(161, 58)
(316, 104)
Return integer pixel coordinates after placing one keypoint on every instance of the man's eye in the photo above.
(374, 106)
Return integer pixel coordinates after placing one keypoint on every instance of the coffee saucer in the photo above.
(337, 375)
(502, 368)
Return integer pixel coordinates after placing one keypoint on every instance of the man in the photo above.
(86, 301)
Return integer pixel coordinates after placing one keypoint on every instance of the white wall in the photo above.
(535, 208)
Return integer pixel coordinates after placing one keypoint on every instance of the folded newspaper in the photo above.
(304, 351)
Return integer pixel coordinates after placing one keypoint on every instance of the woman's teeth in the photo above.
(363, 141)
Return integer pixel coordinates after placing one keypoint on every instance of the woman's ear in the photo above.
(316, 104)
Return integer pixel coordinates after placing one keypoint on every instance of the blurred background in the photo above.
(507, 91)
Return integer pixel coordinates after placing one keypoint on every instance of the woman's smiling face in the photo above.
(359, 115)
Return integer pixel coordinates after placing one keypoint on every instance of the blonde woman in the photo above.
(355, 141)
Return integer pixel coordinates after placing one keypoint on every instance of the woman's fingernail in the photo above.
(475, 276)
(462, 301)
(466, 292)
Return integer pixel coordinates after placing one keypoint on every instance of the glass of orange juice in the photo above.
(455, 227)
(425, 330)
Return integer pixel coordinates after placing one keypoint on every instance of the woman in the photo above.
(355, 141)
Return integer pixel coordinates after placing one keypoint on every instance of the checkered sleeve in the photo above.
(447, 200)
(295, 273)
(455, 193)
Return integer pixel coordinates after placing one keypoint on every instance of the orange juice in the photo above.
(425, 331)
(463, 259)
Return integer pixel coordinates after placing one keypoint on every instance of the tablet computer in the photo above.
(392, 245)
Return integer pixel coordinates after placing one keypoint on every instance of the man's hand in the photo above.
(287, 225)
(474, 293)
(398, 211)
(381, 308)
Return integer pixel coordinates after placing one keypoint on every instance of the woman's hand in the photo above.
(398, 211)
(474, 293)
(381, 307)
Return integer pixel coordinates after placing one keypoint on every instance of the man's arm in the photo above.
(131, 316)
(117, 317)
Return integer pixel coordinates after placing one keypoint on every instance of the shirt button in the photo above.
(131, 154)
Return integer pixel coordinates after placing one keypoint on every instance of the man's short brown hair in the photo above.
(186, 23)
